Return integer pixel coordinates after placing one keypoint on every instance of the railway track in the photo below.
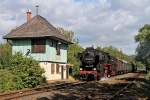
(34, 91)
(113, 92)
(125, 88)
(84, 90)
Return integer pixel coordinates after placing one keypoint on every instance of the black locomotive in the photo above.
(96, 64)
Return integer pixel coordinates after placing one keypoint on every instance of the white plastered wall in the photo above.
(56, 76)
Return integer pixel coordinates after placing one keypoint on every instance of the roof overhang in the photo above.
(28, 37)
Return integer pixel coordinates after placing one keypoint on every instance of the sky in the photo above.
(95, 22)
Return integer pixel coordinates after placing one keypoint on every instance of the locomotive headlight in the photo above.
(80, 68)
(94, 69)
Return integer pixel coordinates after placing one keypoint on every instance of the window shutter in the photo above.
(38, 45)
(57, 68)
(52, 68)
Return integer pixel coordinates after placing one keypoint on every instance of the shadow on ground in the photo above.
(140, 89)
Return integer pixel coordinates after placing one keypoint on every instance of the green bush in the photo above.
(17, 71)
(27, 70)
(7, 80)
(5, 55)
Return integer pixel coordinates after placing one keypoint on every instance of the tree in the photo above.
(69, 34)
(99, 48)
(117, 53)
(143, 49)
(73, 51)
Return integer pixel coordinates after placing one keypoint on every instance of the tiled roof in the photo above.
(36, 28)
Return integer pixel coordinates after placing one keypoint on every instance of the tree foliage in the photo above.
(70, 35)
(73, 51)
(5, 55)
(143, 49)
(115, 52)
(27, 70)
(7, 80)
(144, 34)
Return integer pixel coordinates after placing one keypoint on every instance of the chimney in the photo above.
(29, 15)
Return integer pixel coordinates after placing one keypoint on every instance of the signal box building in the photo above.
(40, 40)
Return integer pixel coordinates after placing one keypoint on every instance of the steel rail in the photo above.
(34, 91)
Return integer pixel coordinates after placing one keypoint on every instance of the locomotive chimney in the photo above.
(29, 15)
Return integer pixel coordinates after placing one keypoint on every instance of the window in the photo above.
(38, 45)
(52, 68)
(57, 68)
(57, 49)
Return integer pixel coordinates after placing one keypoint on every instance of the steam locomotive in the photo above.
(96, 64)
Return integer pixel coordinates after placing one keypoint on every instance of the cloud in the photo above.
(98, 22)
